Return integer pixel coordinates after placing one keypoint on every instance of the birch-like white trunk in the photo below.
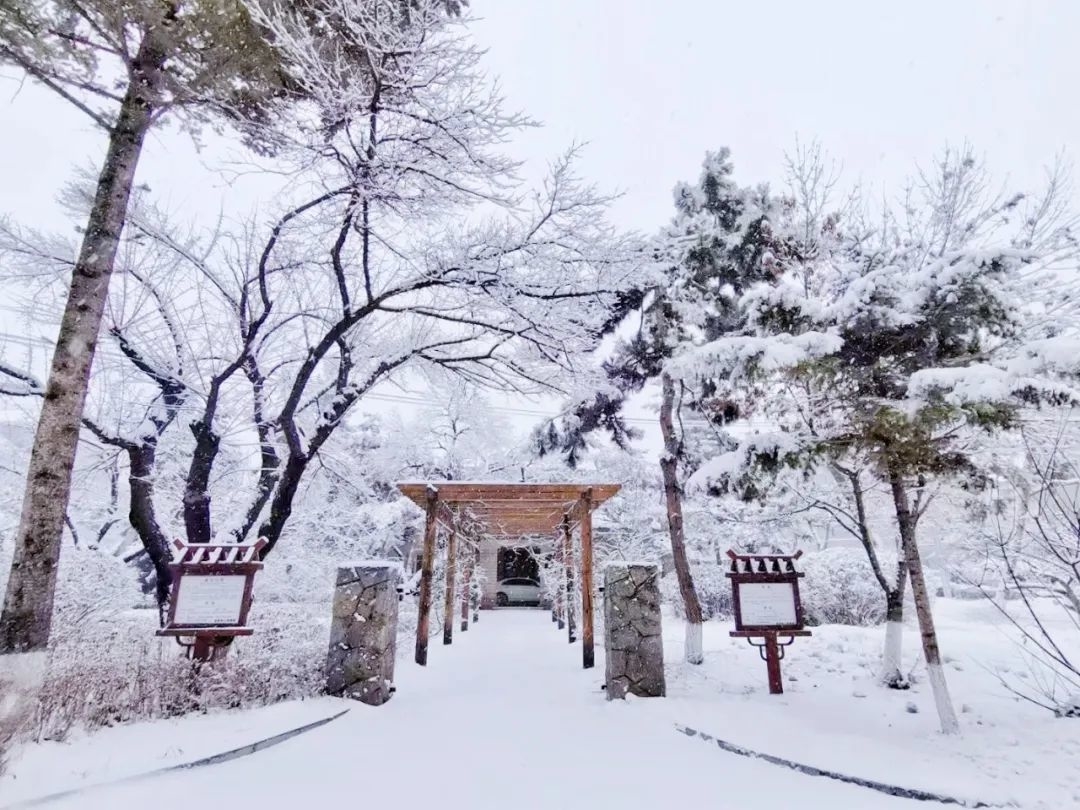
(931, 651)
(942, 700)
(893, 656)
(695, 653)
(892, 672)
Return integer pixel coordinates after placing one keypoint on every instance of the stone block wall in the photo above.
(363, 633)
(633, 641)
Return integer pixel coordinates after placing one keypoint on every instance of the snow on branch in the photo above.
(748, 355)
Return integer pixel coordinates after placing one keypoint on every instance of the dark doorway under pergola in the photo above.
(473, 509)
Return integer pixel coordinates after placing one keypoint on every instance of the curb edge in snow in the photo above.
(810, 770)
(215, 759)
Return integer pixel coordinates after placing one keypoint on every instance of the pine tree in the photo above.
(720, 242)
(888, 358)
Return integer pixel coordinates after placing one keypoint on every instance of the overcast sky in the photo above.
(653, 85)
(650, 86)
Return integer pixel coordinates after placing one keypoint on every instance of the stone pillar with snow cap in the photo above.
(633, 643)
(363, 632)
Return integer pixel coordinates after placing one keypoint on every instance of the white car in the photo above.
(517, 591)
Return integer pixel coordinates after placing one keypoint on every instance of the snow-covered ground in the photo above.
(835, 716)
(134, 749)
(506, 717)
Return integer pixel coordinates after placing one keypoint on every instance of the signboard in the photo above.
(203, 600)
(765, 588)
(211, 595)
(767, 604)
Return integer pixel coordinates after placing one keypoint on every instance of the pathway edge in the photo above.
(214, 759)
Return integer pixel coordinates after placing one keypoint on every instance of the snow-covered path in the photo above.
(504, 718)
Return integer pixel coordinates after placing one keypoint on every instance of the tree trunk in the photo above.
(28, 603)
(891, 659)
(268, 468)
(143, 519)
(892, 673)
(197, 487)
(282, 502)
(931, 651)
(197, 518)
(673, 496)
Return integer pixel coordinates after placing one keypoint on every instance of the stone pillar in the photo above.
(363, 633)
(633, 642)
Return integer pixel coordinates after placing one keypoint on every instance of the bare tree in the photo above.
(408, 248)
(1031, 543)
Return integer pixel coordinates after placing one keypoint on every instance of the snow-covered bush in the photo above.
(713, 590)
(118, 671)
(106, 666)
(839, 588)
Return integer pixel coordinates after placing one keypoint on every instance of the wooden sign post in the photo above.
(765, 590)
(211, 595)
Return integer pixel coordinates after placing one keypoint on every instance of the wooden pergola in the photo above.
(507, 510)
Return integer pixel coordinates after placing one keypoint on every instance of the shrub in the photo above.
(713, 590)
(840, 588)
(116, 671)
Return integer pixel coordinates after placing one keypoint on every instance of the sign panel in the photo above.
(767, 604)
(209, 600)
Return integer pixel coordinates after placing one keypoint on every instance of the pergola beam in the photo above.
(507, 508)
(520, 526)
(459, 491)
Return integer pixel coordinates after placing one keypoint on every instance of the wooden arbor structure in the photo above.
(507, 510)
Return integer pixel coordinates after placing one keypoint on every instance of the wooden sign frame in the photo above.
(212, 560)
(746, 570)
(756, 569)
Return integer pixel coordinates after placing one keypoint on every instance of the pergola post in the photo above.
(554, 557)
(568, 567)
(466, 590)
(588, 658)
(427, 574)
(560, 596)
(475, 598)
(451, 583)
